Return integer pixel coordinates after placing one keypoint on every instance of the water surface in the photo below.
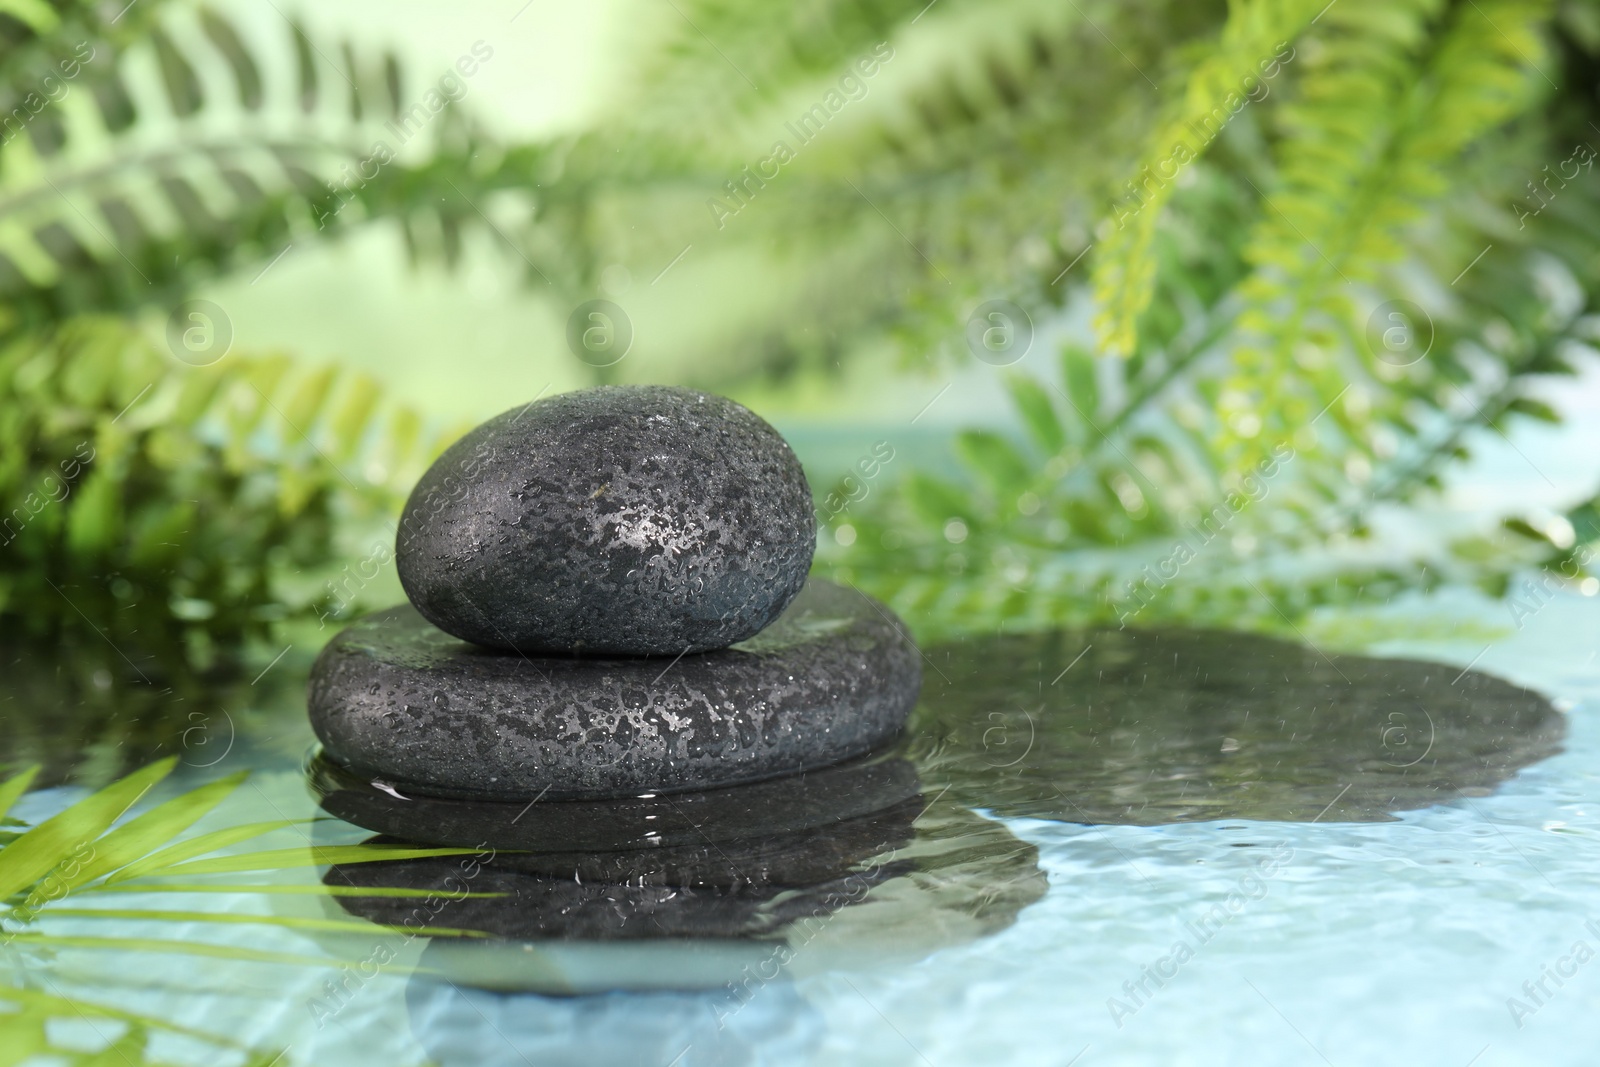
(1362, 858)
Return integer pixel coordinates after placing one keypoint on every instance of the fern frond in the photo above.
(712, 62)
(1253, 42)
(945, 184)
(185, 149)
(1387, 107)
(166, 503)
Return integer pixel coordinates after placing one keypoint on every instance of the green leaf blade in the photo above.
(54, 841)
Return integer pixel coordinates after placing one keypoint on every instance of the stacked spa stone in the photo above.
(609, 597)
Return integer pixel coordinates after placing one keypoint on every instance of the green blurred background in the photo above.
(466, 342)
(1264, 314)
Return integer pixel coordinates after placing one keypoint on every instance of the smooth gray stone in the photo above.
(629, 520)
(395, 699)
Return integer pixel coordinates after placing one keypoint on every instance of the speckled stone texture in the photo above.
(395, 699)
(627, 520)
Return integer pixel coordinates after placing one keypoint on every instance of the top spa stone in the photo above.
(622, 520)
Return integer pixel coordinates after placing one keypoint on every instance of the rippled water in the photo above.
(1123, 847)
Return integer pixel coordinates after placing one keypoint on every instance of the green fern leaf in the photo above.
(1253, 42)
(1396, 93)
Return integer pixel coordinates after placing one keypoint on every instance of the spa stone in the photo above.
(393, 698)
(621, 520)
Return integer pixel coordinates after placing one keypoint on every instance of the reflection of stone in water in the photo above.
(668, 929)
(731, 890)
(814, 800)
(759, 881)
(965, 878)
(1180, 726)
(949, 877)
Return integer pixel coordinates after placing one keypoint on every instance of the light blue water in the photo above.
(1396, 942)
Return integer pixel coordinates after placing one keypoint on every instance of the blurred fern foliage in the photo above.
(1325, 251)
(166, 506)
(139, 486)
(1356, 243)
(1222, 204)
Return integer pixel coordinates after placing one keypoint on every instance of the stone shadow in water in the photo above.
(1153, 727)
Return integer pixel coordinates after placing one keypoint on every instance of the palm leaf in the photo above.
(151, 862)
(56, 840)
(289, 858)
(287, 922)
(135, 838)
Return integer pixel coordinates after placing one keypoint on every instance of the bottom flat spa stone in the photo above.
(393, 698)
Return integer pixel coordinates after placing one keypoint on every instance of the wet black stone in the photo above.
(629, 520)
(396, 699)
